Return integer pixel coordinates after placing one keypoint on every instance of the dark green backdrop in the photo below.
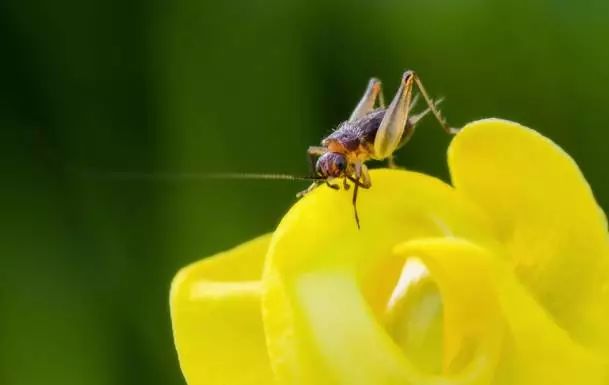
(88, 87)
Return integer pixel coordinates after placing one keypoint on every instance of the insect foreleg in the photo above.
(346, 184)
(309, 189)
(361, 172)
(354, 202)
(361, 177)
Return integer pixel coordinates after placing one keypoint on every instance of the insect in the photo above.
(370, 133)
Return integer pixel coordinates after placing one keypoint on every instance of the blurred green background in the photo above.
(89, 87)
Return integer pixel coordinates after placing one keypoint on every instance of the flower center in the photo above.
(413, 317)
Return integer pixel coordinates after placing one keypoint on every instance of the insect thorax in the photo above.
(356, 138)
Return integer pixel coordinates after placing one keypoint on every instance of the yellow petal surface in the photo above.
(515, 287)
(323, 276)
(414, 317)
(537, 351)
(473, 327)
(215, 311)
(544, 212)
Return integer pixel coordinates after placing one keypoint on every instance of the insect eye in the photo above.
(341, 164)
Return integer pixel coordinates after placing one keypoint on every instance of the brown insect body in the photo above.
(356, 139)
(370, 134)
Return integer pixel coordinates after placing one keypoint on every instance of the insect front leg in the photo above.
(361, 179)
(346, 184)
(366, 104)
(361, 176)
(333, 186)
(365, 177)
(354, 202)
(309, 189)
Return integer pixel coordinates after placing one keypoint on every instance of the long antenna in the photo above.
(261, 176)
(165, 176)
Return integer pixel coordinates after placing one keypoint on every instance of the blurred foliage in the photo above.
(209, 86)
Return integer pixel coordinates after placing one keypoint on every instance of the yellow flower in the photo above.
(501, 279)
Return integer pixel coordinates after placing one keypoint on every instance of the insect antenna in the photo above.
(188, 176)
(263, 176)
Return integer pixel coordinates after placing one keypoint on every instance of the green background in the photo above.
(98, 86)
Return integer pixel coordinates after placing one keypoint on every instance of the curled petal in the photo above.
(536, 351)
(515, 290)
(543, 211)
(472, 323)
(217, 326)
(325, 280)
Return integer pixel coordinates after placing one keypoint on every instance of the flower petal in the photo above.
(477, 289)
(473, 328)
(215, 311)
(544, 211)
(319, 304)
(414, 317)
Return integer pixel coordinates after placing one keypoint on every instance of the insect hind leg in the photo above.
(392, 126)
(409, 130)
(373, 93)
(433, 106)
(391, 163)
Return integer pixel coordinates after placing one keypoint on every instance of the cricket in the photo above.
(370, 133)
